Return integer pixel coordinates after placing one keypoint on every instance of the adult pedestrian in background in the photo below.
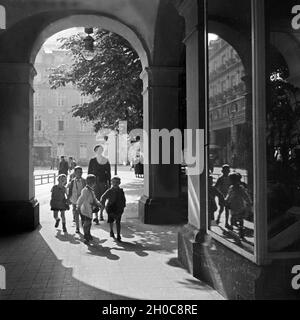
(138, 160)
(100, 167)
(72, 164)
(63, 166)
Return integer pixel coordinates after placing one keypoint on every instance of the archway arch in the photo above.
(95, 21)
(83, 20)
(236, 39)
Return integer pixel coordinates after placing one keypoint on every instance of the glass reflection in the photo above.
(230, 182)
(283, 128)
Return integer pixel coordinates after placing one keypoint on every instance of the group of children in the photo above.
(79, 193)
(233, 198)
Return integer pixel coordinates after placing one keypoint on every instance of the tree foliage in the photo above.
(112, 79)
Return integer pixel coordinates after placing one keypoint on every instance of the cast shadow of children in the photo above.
(135, 247)
(66, 237)
(101, 251)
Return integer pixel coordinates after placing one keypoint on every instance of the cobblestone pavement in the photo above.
(48, 264)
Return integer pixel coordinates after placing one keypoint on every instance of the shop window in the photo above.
(283, 129)
(230, 156)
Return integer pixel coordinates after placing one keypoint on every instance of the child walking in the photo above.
(213, 192)
(238, 201)
(85, 203)
(114, 201)
(74, 191)
(59, 201)
(223, 184)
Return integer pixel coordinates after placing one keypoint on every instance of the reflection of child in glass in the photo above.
(238, 201)
(114, 201)
(86, 203)
(223, 184)
(213, 192)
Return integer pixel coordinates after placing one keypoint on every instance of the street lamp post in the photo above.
(116, 151)
(232, 114)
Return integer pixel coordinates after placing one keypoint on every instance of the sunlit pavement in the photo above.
(48, 264)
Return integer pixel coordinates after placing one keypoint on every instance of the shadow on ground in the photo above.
(34, 272)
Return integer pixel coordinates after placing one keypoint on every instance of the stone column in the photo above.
(19, 211)
(194, 232)
(161, 202)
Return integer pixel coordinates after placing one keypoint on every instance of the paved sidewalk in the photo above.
(48, 264)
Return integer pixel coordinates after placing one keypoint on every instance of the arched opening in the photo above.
(92, 21)
(57, 133)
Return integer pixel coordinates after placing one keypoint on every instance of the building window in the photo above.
(37, 99)
(61, 125)
(61, 99)
(60, 149)
(2, 18)
(84, 99)
(83, 126)
(223, 85)
(233, 80)
(223, 59)
(83, 151)
(38, 124)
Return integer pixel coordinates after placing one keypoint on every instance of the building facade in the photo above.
(56, 132)
(227, 104)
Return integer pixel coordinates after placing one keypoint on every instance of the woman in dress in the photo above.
(100, 167)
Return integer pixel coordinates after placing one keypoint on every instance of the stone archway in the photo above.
(20, 208)
(85, 20)
(19, 45)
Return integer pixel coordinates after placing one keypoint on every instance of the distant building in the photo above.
(227, 103)
(56, 132)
